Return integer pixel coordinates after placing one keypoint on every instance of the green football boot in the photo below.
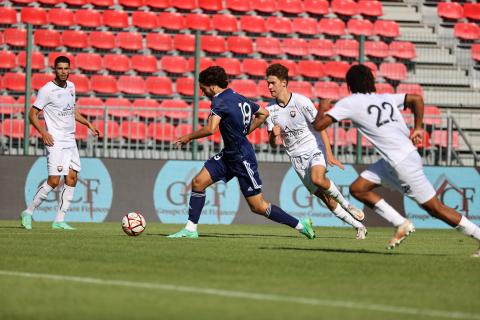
(62, 225)
(26, 220)
(184, 233)
(307, 230)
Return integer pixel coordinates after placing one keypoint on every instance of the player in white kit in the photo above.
(378, 117)
(291, 117)
(57, 101)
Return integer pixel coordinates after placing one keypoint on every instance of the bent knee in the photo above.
(198, 184)
(259, 208)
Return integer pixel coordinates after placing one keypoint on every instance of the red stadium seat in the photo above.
(264, 6)
(61, 17)
(344, 7)
(450, 10)
(119, 107)
(386, 28)
(144, 63)
(171, 21)
(184, 42)
(245, 87)
(41, 79)
(376, 49)
(197, 21)
(290, 6)
(263, 89)
(352, 138)
(205, 62)
(232, 66)
(270, 46)
(303, 87)
(131, 84)
(360, 27)
(343, 90)
(8, 15)
(174, 64)
(53, 55)
(131, 41)
(211, 5)
(144, 20)
(289, 64)
(104, 84)
(115, 19)
(82, 83)
(133, 130)
(76, 3)
(466, 31)
(327, 90)
(472, 11)
(240, 45)
(295, 47)
(238, 5)
(410, 88)
(103, 40)
(440, 138)
(91, 62)
(131, 3)
(476, 51)
(15, 37)
(47, 38)
(21, 101)
(255, 67)
(185, 86)
(176, 109)
(14, 81)
(147, 108)
(32, 15)
(403, 50)
(75, 39)
(259, 136)
(310, 69)
(321, 48)
(370, 8)
(279, 25)
(184, 4)
(316, 7)
(393, 71)
(204, 109)
(332, 27)
(13, 128)
(88, 18)
(225, 23)
(432, 115)
(213, 44)
(384, 87)
(161, 131)
(158, 4)
(336, 69)
(112, 128)
(347, 48)
(8, 105)
(38, 60)
(159, 42)
(252, 24)
(116, 62)
(8, 60)
(306, 26)
(160, 86)
(102, 3)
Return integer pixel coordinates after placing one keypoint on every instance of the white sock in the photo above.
(41, 195)
(468, 228)
(346, 217)
(333, 192)
(65, 199)
(299, 226)
(388, 213)
(192, 227)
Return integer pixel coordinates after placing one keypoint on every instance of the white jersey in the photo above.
(378, 117)
(295, 121)
(58, 105)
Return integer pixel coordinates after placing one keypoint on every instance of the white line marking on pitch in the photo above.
(250, 295)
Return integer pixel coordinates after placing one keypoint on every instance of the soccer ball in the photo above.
(133, 224)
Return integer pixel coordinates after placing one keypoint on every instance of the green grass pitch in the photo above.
(234, 272)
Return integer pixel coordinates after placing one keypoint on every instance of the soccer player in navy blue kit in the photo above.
(237, 117)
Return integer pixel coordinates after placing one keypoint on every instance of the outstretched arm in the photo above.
(80, 118)
(415, 103)
(260, 117)
(207, 130)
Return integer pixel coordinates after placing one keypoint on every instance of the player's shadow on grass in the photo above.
(230, 235)
(11, 227)
(362, 251)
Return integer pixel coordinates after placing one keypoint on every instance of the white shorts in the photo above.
(303, 166)
(61, 159)
(407, 177)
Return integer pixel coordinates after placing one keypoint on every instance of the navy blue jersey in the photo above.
(236, 113)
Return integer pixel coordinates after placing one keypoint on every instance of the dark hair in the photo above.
(360, 79)
(61, 59)
(214, 75)
(278, 70)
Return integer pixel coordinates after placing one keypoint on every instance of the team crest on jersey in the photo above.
(292, 113)
(60, 168)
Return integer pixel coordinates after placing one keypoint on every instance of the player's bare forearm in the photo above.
(80, 118)
(326, 143)
(33, 117)
(260, 117)
(415, 103)
(272, 139)
(209, 129)
(322, 121)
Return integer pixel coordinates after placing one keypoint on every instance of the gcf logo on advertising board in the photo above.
(297, 200)
(456, 188)
(92, 198)
(172, 189)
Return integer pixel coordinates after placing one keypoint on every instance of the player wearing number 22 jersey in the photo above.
(236, 116)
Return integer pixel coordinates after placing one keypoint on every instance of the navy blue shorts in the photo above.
(245, 170)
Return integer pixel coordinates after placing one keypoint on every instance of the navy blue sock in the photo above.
(278, 215)
(197, 201)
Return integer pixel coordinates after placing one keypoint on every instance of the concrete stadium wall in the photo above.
(109, 188)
